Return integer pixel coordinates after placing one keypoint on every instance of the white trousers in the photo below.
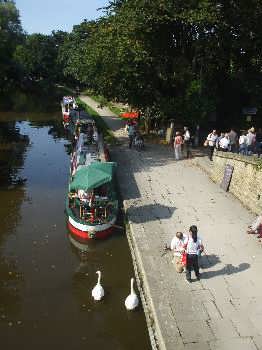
(178, 152)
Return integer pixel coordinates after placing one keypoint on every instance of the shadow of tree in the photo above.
(150, 212)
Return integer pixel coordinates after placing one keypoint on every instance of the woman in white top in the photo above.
(193, 247)
(177, 245)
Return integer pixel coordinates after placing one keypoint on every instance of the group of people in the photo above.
(134, 136)
(249, 142)
(182, 142)
(187, 250)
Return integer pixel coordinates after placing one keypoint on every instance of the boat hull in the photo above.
(90, 232)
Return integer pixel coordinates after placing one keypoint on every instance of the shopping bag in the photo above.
(184, 259)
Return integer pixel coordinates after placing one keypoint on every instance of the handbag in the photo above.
(184, 259)
(184, 256)
(206, 143)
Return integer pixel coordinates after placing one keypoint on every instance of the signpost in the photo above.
(227, 177)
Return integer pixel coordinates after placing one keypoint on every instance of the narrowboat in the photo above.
(68, 103)
(92, 204)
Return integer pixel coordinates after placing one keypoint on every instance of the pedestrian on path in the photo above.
(187, 142)
(259, 142)
(211, 140)
(251, 141)
(222, 135)
(233, 140)
(194, 247)
(177, 246)
(243, 143)
(131, 134)
(224, 143)
(178, 141)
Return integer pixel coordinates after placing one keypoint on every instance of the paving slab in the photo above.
(161, 196)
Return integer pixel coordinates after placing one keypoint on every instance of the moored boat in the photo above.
(92, 204)
(68, 103)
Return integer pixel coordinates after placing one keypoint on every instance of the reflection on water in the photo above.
(46, 277)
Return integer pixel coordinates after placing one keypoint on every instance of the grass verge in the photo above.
(100, 123)
(104, 102)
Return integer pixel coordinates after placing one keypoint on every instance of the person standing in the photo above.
(178, 141)
(187, 141)
(233, 140)
(222, 134)
(177, 246)
(211, 139)
(251, 141)
(131, 134)
(193, 248)
(259, 142)
(224, 143)
(243, 143)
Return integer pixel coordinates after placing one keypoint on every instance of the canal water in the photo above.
(46, 277)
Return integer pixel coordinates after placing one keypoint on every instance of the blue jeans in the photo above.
(243, 149)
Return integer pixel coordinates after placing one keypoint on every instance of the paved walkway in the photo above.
(221, 312)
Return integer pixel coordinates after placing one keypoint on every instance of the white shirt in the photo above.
(224, 143)
(187, 136)
(177, 245)
(211, 139)
(193, 247)
(251, 138)
(243, 140)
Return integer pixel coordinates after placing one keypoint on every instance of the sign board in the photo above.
(227, 177)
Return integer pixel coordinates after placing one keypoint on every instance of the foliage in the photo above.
(168, 58)
(10, 36)
(173, 58)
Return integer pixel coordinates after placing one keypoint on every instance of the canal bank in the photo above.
(162, 196)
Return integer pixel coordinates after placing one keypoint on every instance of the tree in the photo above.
(10, 36)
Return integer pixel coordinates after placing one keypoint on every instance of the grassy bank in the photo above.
(101, 124)
(104, 102)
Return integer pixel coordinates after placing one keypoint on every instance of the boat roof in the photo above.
(68, 99)
(94, 175)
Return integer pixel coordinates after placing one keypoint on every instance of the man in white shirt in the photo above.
(177, 246)
(187, 142)
(211, 138)
(224, 143)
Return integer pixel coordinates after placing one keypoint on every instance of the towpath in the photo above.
(221, 312)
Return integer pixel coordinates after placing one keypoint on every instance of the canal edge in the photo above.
(143, 287)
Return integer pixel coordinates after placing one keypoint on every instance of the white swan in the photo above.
(132, 301)
(98, 290)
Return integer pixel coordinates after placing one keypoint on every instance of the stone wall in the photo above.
(246, 182)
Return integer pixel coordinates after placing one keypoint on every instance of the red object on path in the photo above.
(129, 115)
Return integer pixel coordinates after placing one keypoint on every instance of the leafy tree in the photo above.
(10, 36)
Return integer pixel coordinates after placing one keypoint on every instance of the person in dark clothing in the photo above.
(193, 247)
(259, 142)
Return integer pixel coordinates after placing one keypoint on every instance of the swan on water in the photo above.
(98, 290)
(132, 301)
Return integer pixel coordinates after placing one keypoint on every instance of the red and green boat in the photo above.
(92, 204)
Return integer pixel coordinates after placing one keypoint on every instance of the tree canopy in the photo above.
(182, 59)
(169, 58)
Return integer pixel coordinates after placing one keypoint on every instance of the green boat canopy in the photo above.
(94, 175)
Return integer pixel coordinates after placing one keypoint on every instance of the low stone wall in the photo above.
(246, 182)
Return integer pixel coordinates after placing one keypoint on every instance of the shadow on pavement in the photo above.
(228, 269)
(150, 212)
